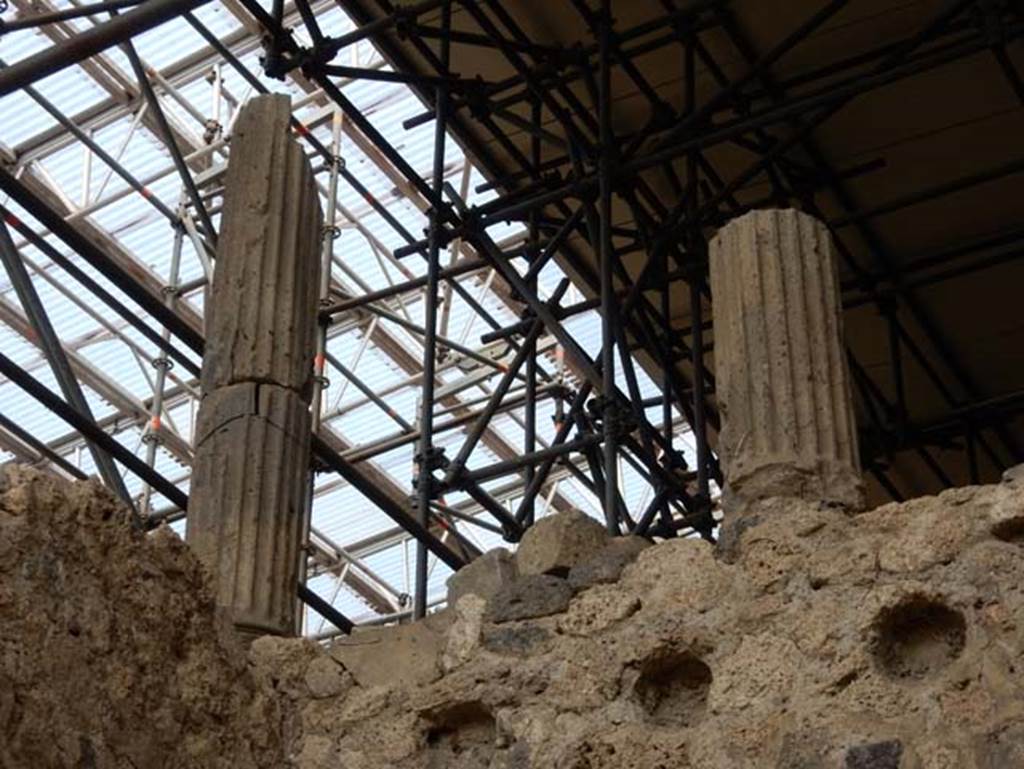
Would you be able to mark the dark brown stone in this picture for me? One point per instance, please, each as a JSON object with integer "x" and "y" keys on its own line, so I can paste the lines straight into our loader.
{"x": 875, "y": 755}
{"x": 535, "y": 595}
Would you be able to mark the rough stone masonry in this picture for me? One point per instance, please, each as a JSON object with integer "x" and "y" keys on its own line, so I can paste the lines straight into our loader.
{"x": 890, "y": 639}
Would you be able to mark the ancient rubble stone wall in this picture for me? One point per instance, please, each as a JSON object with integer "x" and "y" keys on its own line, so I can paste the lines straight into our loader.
{"x": 111, "y": 654}
{"x": 810, "y": 638}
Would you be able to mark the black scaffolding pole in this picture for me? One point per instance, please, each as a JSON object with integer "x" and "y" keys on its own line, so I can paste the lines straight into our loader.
{"x": 426, "y": 458}
{"x": 92, "y": 41}
{"x": 89, "y": 430}
{"x": 55, "y": 355}
{"x": 606, "y": 254}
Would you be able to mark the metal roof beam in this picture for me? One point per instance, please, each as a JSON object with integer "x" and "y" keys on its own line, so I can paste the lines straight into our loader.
{"x": 85, "y": 44}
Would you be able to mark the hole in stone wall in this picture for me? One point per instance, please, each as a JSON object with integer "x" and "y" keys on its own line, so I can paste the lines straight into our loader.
{"x": 918, "y": 637}
{"x": 461, "y": 737}
{"x": 1010, "y": 530}
{"x": 673, "y": 687}
{"x": 844, "y": 681}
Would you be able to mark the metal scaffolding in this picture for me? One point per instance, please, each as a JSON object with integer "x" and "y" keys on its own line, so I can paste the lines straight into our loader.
{"x": 480, "y": 318}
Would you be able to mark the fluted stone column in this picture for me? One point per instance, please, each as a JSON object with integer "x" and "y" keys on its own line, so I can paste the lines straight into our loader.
{"x": 252, "y": 433}
{"x": 781, "y": 376}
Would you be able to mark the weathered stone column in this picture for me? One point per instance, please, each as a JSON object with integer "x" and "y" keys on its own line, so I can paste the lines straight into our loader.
{"x": 252, "y": 433}
{"x": 782, "y": 385}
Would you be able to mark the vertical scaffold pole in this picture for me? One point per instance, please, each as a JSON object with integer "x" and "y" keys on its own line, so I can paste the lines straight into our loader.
{"x": 425, "y": 477}
{"x": 608, "y": 309}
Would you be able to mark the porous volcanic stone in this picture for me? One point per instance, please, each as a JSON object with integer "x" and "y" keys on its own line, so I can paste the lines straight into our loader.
{"x": 520, "y": 638}
{"x": 607, "y": 564}
{"x": 555, "y": 544}
{"x": 533, "y": 595}
{"x": 802, "y": 653}
{"x": 326, "y": 678}
{"x": 111, "y": 652}
{"x": 875, "y": 755}
{"x": 483, "y": 576}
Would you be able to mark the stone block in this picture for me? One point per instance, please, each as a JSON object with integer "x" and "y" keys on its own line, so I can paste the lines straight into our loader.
{"x": 530, "y": 596}
{"x": 555, "y": 544}
{"x": 325, "y": 677}
{"x": 281, "y": 663}
{"x": 597, "y": 610}
{"x": 762, "y": 673}
{"x": 483, "y": 576}
{"x": 1014, "y": 475}
{"x": 938, "y": 534}
{"x": 678, "y": 575}
{"x": 245, "y": 512}
{"x": 463, "y": 637}
{"x": 317, "y": 753}
{"x": 391, "y": 656}
{"x": 607, "y": 564}
{"x": 516, "y": 639}
{"x": 261, "y": 317}
{"x": 875, "y": 755}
